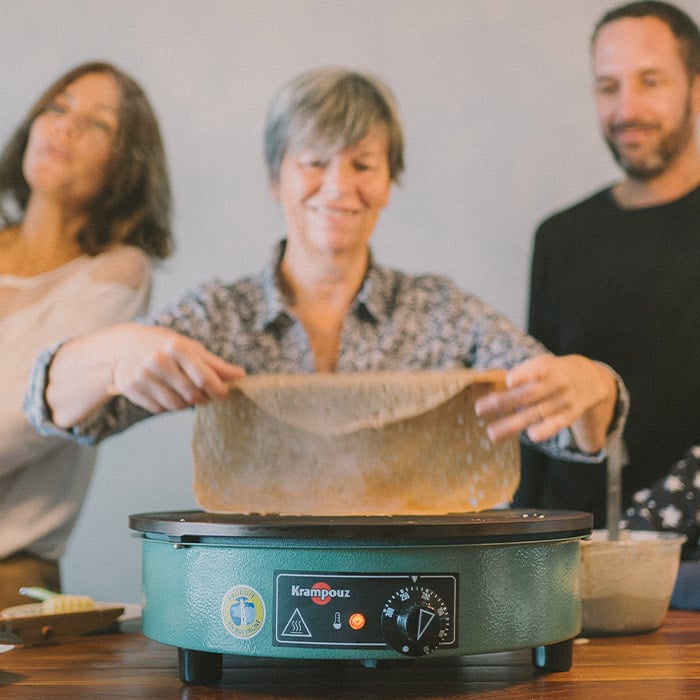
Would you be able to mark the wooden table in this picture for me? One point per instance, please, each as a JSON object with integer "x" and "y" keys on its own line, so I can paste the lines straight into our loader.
{"x": 665, "y": 664}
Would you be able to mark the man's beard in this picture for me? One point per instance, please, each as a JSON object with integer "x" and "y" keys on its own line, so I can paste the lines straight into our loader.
{"x": 657, "y": 162}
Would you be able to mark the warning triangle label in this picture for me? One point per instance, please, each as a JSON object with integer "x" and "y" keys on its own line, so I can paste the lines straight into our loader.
{"x": 296, "y": 627}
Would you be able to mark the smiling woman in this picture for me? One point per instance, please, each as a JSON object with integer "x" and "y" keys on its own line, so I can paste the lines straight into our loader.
{"x": 333, "y": 202}
{"x": 84, "y": 200}
{"x": 323, "y": 303}
{"x": 334, "y": 144}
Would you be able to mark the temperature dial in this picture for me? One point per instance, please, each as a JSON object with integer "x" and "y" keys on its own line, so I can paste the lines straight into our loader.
{"x": 415, "y": 620}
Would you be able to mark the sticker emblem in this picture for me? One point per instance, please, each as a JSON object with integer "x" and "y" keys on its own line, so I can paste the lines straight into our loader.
{"x": 243, "y": 612}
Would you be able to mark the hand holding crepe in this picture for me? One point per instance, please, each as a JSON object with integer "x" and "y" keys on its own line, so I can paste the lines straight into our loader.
{"x": 381, "y": 443}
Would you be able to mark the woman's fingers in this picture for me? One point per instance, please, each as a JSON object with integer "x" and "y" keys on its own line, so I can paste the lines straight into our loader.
{"x": 544, "y": 395}
{"x": 164, "y": 371}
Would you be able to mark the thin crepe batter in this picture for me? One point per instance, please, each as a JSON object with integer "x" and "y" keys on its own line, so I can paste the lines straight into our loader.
{"x": 377, "y": 443}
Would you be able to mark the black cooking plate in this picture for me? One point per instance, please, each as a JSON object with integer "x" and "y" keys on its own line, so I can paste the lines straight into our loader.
{"x": 512, "y": 525}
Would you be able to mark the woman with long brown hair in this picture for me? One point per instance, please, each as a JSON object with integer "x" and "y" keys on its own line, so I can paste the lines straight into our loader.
{"x": 85, "y": 207}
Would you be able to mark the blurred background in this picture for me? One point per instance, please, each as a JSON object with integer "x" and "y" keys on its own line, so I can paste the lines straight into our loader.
{"x": 500, "y": 132}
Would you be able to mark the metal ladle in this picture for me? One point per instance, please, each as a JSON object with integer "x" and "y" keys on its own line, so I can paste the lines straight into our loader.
{"x": 617, "y": 458}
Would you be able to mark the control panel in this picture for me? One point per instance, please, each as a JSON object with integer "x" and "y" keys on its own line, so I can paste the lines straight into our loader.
{"x": 411, "y": 613}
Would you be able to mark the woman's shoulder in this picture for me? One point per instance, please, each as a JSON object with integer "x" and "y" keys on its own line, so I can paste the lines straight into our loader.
{"x": 216, "y": 294}
{"x": 431, "y": 292}
{"x": 124, "y": 255}
{"x": 125, "y": 264}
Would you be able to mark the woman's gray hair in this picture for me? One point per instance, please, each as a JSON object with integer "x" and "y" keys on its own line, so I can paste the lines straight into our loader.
{"x": 330, "y": 109}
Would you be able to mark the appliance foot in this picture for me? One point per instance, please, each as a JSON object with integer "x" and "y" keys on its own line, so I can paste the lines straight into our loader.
{"x": 553, "y": 658}
{"x": 387, "y": 663}
{"x": 199, "y": 667}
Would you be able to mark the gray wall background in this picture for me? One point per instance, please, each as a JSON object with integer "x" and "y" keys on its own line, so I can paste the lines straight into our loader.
{"x": 500, "y": 131}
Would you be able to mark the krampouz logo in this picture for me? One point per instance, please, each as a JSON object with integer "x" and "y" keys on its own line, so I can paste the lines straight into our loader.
{"x": 320, "y": 593}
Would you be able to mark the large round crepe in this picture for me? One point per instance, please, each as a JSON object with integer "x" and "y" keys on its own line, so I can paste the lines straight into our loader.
{"x": 378, "y": 443}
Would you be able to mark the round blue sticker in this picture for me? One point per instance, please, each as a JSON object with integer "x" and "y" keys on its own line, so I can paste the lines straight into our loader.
{"x": 243, "y": 611}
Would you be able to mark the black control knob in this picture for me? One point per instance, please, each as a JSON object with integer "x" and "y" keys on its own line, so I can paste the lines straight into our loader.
{"x": 415, "y": 620}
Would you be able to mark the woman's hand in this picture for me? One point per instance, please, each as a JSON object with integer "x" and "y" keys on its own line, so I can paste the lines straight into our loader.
{"x": 546, "y": 394}
{"x": 162, "y": 370}
{"x": 153, "y": 367}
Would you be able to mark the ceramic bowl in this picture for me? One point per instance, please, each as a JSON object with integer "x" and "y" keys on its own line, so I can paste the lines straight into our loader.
{"x": 626, "y": 585}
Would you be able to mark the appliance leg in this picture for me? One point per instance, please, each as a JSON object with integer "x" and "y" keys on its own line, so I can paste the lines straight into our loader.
{"x": 199, "y": 667}
{"x": 553, "y": 657}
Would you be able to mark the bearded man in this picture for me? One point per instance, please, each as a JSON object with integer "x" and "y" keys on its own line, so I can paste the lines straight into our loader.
{"x": 616, "y": 277}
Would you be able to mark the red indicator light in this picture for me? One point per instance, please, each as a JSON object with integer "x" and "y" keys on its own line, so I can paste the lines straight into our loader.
{"x": 356, "y": 621}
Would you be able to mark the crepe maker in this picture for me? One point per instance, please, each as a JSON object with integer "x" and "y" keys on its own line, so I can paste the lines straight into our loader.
{"x": 366, "y": 588}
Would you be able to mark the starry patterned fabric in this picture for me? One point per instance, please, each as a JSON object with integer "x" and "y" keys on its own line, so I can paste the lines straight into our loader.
{"x": 672, "y": 504}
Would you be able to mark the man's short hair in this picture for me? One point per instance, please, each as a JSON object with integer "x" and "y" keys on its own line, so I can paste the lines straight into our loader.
{"x": 682, "y": 26}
